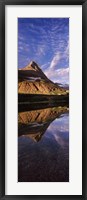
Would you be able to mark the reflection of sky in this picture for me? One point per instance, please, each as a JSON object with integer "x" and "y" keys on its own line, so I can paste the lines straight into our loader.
{"x": 46, "y": 41}
{"x": 48, "y": 159}
{"x": 59, "y": 130}
{"x": 61, "y": 124}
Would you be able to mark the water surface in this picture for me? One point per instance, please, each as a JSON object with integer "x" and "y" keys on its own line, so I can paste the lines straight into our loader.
{"x": 43, "y": 145}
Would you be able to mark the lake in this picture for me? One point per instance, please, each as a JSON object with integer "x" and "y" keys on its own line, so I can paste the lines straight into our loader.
{"x": 43, "y": 145}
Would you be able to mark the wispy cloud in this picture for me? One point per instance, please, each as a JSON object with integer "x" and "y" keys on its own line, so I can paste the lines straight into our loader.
{"x": 45, "y": 40}
{"x": 59, "y": 75}
{"x": 55, "y": 72}
{"x": 55, "y": 60}
{"x": 66, "y": 52}
{"x": 45, "y": 66}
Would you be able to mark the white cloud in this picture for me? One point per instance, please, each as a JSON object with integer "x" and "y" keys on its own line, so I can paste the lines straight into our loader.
{"x": 59, "y": 75}
{"x": 55, "y": 60}
{"x": 66, "y": 52}
{"x": 46, "y": 65}
{"x": 48, "y": 42}
{"x": 40, "y": 50}
{"x": 63, "y": 71}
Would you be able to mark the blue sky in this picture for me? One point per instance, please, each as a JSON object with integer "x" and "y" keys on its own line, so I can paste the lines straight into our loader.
{"x": 45, "y": 41}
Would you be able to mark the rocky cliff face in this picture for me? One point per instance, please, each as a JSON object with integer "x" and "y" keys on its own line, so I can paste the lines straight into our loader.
{"x": 32, "y": 80}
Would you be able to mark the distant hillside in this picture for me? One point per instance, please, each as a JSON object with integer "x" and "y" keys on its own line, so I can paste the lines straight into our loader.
{"x": 65, "y": 86}
{"x": 32, "y": 80}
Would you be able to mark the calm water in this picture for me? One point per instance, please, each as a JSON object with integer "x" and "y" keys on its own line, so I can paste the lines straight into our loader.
{"x": 43, "y": 145}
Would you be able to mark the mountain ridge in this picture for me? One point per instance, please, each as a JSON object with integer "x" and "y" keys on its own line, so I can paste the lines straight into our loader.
{"x": 32, "y": 80}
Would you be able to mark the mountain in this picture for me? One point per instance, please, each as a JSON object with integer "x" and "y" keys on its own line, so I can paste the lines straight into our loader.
{"x": 66, "y": 86}
{"x": 32, "y": 71}
{"x": 32, "y": 80}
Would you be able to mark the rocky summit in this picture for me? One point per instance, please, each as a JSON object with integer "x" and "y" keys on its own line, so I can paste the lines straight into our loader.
{"x": 32, "y": 80}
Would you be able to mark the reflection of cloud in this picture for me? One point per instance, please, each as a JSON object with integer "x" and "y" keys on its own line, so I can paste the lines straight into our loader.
{"x": 59, "y": 130}
{"x": 61, "y": 124}
{"x": 60, "y": 137}
{"x": 60, "y": 140}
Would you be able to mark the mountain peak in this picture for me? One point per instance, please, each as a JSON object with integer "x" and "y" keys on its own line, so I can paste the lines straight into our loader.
{"x": 32, "y": 70}
{"x": 32, "y": 66}
{"x": 32, "y": 80}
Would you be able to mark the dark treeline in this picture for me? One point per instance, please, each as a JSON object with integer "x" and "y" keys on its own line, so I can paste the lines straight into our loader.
{"x": 42, "y": 98}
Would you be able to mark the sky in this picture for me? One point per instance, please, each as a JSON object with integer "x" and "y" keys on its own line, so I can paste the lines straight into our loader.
{"x": 45, "y": 41}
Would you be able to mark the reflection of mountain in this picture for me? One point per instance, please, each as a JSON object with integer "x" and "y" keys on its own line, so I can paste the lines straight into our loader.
{"x": 33, "y": 124}
{"x": 32, "y": 80}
